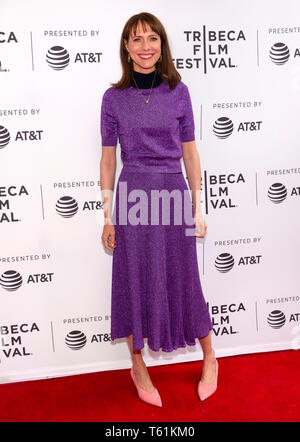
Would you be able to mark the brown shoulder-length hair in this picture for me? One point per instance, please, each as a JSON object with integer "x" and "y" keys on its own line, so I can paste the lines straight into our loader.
{"x": 165, "y": 68}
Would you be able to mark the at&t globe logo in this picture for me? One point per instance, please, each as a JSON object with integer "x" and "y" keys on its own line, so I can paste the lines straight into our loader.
{"x": 75, "y": 340}
{"x": 279, "y": 53}
{"x": 276, "y": 319}
{"x": 277, "y": 193}
{"x": 11, "y": 280}
{"x": 4, "y": 137}
{"x": 223, "y": 127}
{"x": 57, "y": 58}
{"x": 66, "y": 206}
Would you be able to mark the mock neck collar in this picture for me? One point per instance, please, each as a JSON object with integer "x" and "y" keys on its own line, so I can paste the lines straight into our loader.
{"x": 144, "y": 81}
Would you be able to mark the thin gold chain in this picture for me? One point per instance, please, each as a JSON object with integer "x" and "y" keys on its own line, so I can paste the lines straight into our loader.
{"x": 146, "y": 101}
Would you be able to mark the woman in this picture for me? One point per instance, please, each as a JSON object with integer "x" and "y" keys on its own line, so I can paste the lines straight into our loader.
{"x": 156, "y": 290}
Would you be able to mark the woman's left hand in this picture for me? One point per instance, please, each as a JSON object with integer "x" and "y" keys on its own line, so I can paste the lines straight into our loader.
{"x": 200, "y": 225}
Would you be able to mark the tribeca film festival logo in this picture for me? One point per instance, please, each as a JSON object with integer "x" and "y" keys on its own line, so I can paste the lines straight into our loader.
{"x": 7, "y": 194}
{"x": 212, "y": 49}
{"x": 21, "y": 135}
{"x": 12, "y": 280}
{"x": 218, "y": 190}
{"x": 222, "y": 316}
{"x": 12, "y": 339}
{"x": 6, "y": 38}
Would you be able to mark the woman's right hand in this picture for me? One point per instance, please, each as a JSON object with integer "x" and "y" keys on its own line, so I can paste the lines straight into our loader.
{"x": 108, "y": 237}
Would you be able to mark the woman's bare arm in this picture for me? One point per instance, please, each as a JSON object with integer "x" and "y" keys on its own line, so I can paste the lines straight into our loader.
{"x": 108, "y": 165}
{"x": 193, "y": 169}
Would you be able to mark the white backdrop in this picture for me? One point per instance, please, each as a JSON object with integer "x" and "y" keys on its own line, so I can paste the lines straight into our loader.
{"x": 241, "y": 62}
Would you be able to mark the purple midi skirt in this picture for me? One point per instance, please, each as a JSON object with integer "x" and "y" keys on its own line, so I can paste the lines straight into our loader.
{"x": 156, "y": 289}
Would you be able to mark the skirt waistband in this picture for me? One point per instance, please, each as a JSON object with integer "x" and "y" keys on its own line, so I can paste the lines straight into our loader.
{"x": 148, "y": 169}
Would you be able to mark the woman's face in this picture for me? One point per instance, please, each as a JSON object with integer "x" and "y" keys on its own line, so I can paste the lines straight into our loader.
{"x": 144, "y": 49}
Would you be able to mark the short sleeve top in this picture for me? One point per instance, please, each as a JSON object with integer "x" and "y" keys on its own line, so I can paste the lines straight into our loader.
{"x": 150, "y": 134}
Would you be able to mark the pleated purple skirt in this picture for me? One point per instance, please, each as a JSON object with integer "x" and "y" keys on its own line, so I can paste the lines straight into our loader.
{"x": 156, "y": 289}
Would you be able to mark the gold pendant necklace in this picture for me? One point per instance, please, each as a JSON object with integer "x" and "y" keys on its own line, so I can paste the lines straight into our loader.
{"x": 146, "y": 101}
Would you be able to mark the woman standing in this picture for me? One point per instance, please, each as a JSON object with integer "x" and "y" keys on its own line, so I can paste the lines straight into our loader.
{"x": 156, "y": 289}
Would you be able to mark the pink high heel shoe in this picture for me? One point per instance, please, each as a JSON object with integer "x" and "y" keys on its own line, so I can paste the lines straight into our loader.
{"x": 204, "y": 390}
{"x": 152, "y": 397}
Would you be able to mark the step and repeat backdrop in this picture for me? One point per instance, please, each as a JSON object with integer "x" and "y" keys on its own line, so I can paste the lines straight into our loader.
{"x": 241, "y": 62}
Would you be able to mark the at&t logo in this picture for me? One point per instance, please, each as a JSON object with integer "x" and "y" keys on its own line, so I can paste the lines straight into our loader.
{"x": 225, "y": 261}
{"x": 278, "y": 192}
{"x": 223, "y": 127}
{"x": 277, "y": 319}
{"x": 11, "y": 280}
{"x": 66, "y": 206}
{"x": 58, "y": 58}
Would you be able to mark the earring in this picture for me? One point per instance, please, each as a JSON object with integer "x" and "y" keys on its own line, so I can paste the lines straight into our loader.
{"x": 160, "y": 58}
{"x": 128, "y": 57}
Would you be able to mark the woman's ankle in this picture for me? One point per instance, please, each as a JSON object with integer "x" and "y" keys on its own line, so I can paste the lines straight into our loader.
{"x": 138, "y": 363}
{"x": 209, "y": 355}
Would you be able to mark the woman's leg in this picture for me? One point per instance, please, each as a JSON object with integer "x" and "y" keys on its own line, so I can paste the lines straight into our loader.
{"x": 139, "y": 368}
{"x": 209, "y": 360}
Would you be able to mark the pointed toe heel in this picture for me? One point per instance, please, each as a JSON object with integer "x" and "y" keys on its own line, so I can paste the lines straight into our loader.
{"x": 204, "y": 390}
{"x": 152, "y": 398}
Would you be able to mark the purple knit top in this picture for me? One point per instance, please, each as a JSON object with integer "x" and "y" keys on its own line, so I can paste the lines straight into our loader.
{"x": 150, "y": 134}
